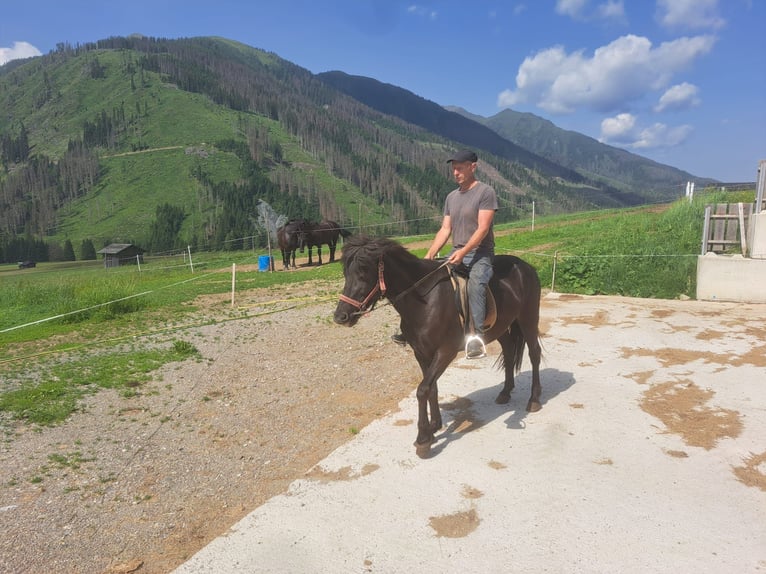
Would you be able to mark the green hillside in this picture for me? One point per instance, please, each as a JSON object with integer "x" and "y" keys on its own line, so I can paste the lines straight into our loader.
{"x": 162, "y": 145}
{"x": 168, "y": 143}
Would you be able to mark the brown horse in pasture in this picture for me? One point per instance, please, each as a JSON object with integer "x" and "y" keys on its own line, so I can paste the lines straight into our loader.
{"x": 422, "y": 293}
{"x": 324, "y": 233}
{"x": 290, "y": 237}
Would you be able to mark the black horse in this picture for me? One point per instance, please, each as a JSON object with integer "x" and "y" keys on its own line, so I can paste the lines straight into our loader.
{"x": 324, "y": 233}
{"x": 422, "y": 293}
{"x": 290, "y": 237}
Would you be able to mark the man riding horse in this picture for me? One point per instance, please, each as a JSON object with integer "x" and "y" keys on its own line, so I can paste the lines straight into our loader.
{"x": 469, "y": 213}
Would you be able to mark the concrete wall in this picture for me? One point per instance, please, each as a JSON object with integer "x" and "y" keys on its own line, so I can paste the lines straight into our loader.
{"x": 756, "y": 236}
{"x": 731, "y": 278}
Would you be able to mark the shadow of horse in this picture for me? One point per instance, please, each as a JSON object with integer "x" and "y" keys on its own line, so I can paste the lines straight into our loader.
{"x": 479, "y": 408}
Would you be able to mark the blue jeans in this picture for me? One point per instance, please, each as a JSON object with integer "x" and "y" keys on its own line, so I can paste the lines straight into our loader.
{"x": 480, "y": 272}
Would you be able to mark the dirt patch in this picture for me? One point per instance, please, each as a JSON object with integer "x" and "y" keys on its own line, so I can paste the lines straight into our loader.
{"x": 343, "y": 474}
{"x": 682, "y": 407}
{"x": 753, "y": 471}
{"x": 457, "y": 525}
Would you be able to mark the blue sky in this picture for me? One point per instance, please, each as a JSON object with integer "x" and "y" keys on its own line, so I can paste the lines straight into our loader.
{"x": 682, "y": 82}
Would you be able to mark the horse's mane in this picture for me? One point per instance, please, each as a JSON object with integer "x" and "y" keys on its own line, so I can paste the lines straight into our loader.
{"x": 362, "y": 247}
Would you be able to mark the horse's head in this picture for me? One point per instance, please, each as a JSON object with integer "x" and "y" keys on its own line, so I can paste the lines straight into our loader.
{"x": 295, "y": 233}
{"x": 363, "y": 270}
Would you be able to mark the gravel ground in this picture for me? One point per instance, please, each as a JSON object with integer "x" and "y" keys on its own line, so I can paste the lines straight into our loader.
{"x": 141, "y": 483}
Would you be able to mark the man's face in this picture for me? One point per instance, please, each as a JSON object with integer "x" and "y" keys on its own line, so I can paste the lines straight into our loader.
{"x": 463, "y": 171}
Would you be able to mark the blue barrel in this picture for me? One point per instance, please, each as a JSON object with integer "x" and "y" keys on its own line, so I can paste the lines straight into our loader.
{"x": 264, "y": 263}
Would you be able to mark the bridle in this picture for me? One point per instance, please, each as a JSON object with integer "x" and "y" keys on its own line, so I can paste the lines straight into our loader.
{"x": 380, "y": 288}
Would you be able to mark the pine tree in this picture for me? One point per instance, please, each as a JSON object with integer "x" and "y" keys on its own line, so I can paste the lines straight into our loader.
{"x": 87, "y": 250}
{"x": 68, "y": 251}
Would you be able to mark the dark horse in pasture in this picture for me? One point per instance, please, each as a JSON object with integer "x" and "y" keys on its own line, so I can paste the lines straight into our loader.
{"x": 290, "y": 237}
{"x": 422, "y": 293}
{"x": 324, "y": 233}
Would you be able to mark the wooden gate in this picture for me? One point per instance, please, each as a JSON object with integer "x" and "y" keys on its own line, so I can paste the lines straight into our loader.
{"x": 726, "y": 227}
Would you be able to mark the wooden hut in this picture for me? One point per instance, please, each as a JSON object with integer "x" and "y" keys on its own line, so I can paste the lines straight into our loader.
{"x": 118, "y": 254}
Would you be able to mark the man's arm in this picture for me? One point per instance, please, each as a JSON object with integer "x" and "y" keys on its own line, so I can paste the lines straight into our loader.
{"x": 441, "y": 237}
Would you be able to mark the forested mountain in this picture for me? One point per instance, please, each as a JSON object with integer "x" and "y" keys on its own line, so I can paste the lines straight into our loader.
{"x": 168, "y": 143}
{"x": 625, "y": 177}
{"x": 586, "y": 155}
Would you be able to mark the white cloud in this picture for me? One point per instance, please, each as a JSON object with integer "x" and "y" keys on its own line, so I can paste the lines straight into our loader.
{"x": 579, "y": 9}
{"x": 661, "y": 135}
{"x": 623, "y": 130}
{"x": 17, "y": 51}
{"x": 612, "y": 10}
{"x": 678, "y": 97}
{"x": 616, "y": 75}
{"x": 618, "y": 129}
{"x": 422, "y": 11}
{"x": 571, "y": 8}
{"x": 690, "y": 14}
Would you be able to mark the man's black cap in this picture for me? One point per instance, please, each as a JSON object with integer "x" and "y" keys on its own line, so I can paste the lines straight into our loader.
{"x": 464, "y": 155}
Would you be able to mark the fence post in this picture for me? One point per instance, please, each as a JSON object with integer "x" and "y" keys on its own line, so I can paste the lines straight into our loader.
{"x": 233, "y": 281}
{"x": 553, "y": 273}
{"x": 191, "y": 265}
{"x": 742, "y": 230}
{"x": 706, "y": 228}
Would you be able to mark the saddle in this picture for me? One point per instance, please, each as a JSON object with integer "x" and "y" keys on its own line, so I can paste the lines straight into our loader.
{"x": 459, "y": 278}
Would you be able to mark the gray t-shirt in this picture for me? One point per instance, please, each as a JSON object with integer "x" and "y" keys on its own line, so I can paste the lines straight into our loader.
{"x": 463, "y": 209}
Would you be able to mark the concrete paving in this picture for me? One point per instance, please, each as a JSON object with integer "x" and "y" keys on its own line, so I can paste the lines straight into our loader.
{"x": 591, "y": 483}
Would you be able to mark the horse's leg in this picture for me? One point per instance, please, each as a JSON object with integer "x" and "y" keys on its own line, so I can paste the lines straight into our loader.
{"x": 310, "y": 248}
{"x": 433, "y": 405}
{"x": 508, "y": 344}
{"x": 332, "y": 250}
{"x": 529, "y": 322}
{"x": 535, "y": 353}
{"x": 428, "y": 396}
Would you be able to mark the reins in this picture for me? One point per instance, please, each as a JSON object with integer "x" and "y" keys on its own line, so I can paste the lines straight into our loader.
{"x": 417, "y": 283}
{"x": 380, "y": 287}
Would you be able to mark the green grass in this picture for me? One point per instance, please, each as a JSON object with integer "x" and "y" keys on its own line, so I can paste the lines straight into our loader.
{"x": 48, "y": 393}
{"x": 636, "y": 252}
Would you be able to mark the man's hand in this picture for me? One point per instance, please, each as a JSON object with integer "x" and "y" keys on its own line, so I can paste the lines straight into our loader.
{"x": 456, "y": 258}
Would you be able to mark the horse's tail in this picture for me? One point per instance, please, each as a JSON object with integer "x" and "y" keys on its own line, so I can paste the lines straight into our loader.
{"x": 518, "y": 345}
{"x": 517, "y": 339}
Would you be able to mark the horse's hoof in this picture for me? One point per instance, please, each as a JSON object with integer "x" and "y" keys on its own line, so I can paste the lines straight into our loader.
{"x": 503, "y": 398}
{"x": 533, "y": 407}
{"x": 423, "y": 450}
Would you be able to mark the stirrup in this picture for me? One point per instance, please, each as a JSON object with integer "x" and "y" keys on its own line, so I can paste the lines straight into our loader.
{"x": 469, "y": 340}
